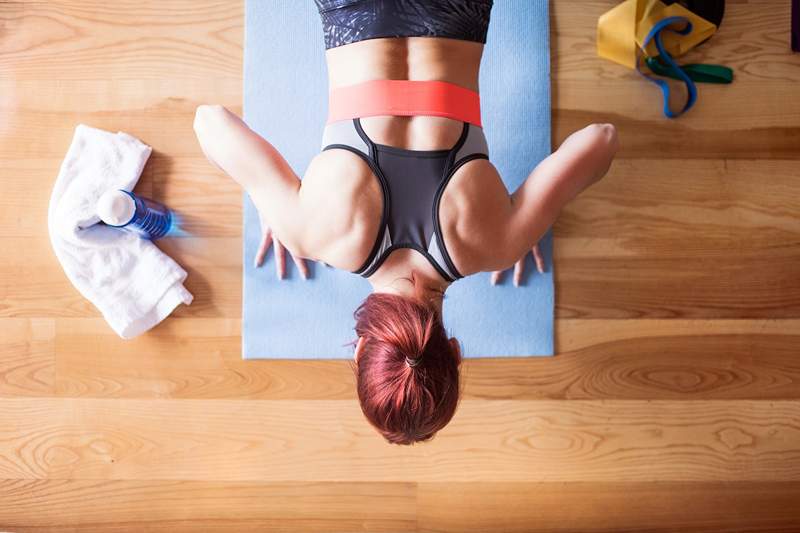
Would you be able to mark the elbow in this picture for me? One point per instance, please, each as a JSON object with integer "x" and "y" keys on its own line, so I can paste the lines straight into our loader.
{"x": 611, "y": 138}
{"x": 604, "y": 146}
{"x": 206, "y": 116}
{"x": 605, "y": 138}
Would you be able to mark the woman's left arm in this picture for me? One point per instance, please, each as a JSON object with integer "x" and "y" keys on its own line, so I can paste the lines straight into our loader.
{"x": 264, "y": 174}
{"x": 582, "y": 159}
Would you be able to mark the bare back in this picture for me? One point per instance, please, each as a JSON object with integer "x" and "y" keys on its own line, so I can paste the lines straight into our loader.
{"x": 346, "y": 191}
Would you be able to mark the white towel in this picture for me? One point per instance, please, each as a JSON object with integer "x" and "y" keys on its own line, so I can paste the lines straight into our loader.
{"x": 133, "y": 284}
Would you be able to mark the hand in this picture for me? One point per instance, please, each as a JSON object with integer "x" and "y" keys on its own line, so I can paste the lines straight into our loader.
{"x": 520, "y": 265}
{"x": 280, "y": 254}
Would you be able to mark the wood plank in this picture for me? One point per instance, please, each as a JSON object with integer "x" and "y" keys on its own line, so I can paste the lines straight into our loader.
{"x": 608, "y": 507}
{"x": 678, "y": 139}
{"x": 142, "y": 40}
{"x": 181, "y": 358}
{"x": 140, "y": 67}
{"x": 185, "y": 506}
{"x": 27, "y": 357}
{"x": 47, "y": 505}
{"x": 755, "y": 117}
{"x": 651, "y": 359}
{"x": 173, "y": 506}
{"x": 684, "y": 239}
{"x": 747, "y": 285}
{"x": 328, "y": 440}
{"x": 670, "y": 208}
{"x": 598, "y": 359}
{"x": 172, "y": 95}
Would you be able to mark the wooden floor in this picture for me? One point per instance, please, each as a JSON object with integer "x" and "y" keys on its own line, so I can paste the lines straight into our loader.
{"x": 674, "y": 402}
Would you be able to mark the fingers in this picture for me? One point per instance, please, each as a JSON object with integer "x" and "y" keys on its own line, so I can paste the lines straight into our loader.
{"x": 301, "y": 266}
{"x": 266, "y": 241}
{"x": 519, "y": 266}
{"x": 280, "y": 259}
{"x": 537, "y": 257}
{"x": 280, "y": 256}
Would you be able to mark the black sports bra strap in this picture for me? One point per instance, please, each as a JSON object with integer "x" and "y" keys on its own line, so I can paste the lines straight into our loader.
{"x": 412, "y": 182}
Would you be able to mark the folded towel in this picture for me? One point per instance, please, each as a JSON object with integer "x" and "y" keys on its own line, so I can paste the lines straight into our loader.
{"x": 133, "y": 284}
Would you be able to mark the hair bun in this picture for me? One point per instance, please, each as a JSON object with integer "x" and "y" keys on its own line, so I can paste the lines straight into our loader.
{"x": 413, "y": 362}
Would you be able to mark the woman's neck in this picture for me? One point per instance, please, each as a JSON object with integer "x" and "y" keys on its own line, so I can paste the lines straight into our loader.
{"x": 404, "y": 274}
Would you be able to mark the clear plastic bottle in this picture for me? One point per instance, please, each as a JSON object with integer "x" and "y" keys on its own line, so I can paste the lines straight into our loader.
{"x": 123, "y": 209}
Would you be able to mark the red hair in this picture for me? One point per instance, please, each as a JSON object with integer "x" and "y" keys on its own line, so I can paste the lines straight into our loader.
{"x": 405, "y": 403}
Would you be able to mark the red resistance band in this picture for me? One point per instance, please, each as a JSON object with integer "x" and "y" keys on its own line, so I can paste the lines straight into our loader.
{"x": 404, "y": 98}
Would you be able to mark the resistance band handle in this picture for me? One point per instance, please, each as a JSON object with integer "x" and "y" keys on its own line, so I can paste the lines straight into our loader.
{"x": 691, "y": 88}
{"x": 698, "y": 72}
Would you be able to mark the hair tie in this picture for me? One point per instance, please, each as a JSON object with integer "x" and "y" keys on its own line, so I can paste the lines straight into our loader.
{"x": 413, "y": 362}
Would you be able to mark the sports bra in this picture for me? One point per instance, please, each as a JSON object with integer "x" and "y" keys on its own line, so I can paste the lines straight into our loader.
{"x": 351, "y": 21}
{"x": 412, "y": 182}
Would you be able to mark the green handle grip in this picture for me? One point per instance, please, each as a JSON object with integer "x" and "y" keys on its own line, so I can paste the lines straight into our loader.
{"x": 698, "y": 72}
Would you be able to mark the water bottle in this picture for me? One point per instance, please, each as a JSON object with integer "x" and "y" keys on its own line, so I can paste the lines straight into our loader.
{"x": 123, "y": 209}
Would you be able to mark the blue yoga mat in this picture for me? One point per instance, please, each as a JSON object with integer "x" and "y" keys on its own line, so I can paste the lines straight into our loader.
{"x": 285, "y": 100}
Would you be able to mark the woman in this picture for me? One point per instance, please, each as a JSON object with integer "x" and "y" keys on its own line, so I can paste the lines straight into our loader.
{"x": 403, "y": 192}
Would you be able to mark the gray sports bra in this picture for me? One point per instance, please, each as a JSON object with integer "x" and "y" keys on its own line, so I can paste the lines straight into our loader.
{"x": 412, "y": 182}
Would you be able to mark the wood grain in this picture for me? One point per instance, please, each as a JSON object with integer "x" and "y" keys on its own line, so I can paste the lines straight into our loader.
{"x": 682, "y": 239}
{"x": 595, "y": 507}
{"x": 328, "y": 440}
{"x": 673, "y": 404}
{"x": 27, "y": 357}
{"x": 598, "y": 359}
{"x": 438, "y": 507}
{"x": 139, "y": 40}
{"x": 110, "y": 506}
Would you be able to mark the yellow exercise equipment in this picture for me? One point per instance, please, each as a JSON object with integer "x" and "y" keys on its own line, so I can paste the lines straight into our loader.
{"x": 621, "y": 31}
